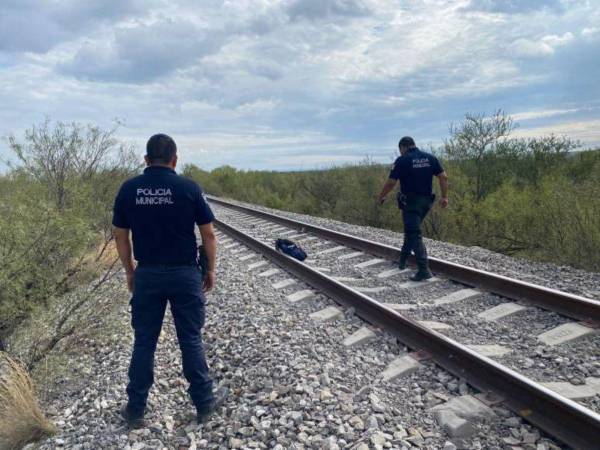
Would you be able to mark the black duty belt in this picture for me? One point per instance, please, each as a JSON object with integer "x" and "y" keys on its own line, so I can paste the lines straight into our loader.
{"x": 167, "y": 264}
{"x": 403, "y": 198}
{"x": 414, "y": 194}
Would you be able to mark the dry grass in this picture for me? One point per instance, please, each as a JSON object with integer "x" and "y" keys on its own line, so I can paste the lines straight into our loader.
{"x": 21, "y": 420}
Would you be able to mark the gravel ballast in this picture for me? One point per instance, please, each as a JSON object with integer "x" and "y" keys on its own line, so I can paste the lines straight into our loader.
{"x": 573, "y": 361}
{"x": 293, "y": 384}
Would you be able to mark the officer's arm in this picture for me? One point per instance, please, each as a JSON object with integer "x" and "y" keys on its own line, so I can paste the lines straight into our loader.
{"x": 387, "y": 187}
{"x": 124, "y": 250}
{"x": 209, "y": 241}
{"x": 443, "y": 180}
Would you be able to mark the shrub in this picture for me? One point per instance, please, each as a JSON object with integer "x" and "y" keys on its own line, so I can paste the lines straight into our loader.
{"x": 21, "y": 420}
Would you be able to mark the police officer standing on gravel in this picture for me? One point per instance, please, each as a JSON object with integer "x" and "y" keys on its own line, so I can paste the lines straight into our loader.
{"x": 160, "y": 210}
{"x": 415, "y": 170}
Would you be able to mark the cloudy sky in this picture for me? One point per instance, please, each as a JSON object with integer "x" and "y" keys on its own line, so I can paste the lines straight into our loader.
{"x": 290, "y": 84}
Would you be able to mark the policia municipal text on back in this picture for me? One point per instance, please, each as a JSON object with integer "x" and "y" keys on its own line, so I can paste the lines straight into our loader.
{"x": 415, "y": 170}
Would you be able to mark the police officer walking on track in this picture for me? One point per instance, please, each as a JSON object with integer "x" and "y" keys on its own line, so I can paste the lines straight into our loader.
{"x": 160, "y": 209}
{"x": 415, "y": 169}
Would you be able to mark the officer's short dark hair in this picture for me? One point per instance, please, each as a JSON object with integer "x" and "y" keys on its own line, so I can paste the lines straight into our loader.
{"x": 407, "y": 141}
{"x": 160, "y": 149}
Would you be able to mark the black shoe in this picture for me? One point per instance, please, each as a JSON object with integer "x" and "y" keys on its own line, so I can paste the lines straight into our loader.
{"x": 402, "y": 263}
{"x": 134, "y": 421}
{"x": 421, "y": 275}
{"x": 220, "y": 395}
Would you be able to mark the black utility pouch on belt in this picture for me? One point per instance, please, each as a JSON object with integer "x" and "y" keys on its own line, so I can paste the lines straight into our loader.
{"x": 202, "y": 261}
{"x": 401, "y": 199}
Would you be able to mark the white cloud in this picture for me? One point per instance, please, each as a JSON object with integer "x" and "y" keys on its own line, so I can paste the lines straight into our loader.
{"x": 37, "y": 25}
{"x": 544, "y": 46}
{"x": 586, "y": 131}
{"x": 590, "y": 31}
{"x": 528, "y": 47}
{"x": 557, "y": 41}
{"x": 144, "y": 51}
{"x": 325, "y": 9}
{"x": 515, "y": 6}
{"x": 259, "y": 78}
{"x": 542, "y": 114}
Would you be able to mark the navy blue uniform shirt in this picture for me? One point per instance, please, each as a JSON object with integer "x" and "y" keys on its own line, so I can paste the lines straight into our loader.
{"x": 162, "y": 208}
{"x": 415, "y": 170}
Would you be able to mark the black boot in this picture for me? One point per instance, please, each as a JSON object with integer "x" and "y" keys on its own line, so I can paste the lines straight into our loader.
{"x": 206, "y": 411}
{"x": 134, "y": 420}
{"x": 402, "y": 263}
{"x": 422, "y": 262}
{"x": 422, "y": 275}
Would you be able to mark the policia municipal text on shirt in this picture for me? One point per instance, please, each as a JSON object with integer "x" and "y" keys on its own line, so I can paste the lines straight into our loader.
{"x": 415, "y": 170}
{"x": 160, "y": 210}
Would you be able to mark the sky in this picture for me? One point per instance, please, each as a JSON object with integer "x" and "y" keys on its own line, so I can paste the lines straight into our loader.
{"x": 298, "y": 84}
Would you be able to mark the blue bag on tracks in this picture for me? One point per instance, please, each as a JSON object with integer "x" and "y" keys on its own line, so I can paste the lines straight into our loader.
{"x": 290, "y": 248}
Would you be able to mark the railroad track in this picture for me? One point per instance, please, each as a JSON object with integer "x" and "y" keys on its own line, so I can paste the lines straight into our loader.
{"x": 569, "y": 421}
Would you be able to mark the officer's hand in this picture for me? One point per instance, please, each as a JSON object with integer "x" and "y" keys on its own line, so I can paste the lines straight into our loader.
{"x": 444, "y": 202}
{"x": 380, "y": 200}
{"x": 209, "y": 281}
{"x": 130, "y": 278}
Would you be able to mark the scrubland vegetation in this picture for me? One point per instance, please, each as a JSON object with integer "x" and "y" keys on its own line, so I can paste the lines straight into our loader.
{"x": 55, "y": 226}
{"x": 56, "y": 255}
{"x": 536, "y": 198}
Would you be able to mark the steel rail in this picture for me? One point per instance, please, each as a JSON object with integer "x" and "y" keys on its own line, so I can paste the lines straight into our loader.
{"x": 564, "y": 303}
{"x": 560, "y": 417}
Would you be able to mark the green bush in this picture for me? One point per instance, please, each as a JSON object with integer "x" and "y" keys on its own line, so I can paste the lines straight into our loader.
{"x": 57, "y": 206}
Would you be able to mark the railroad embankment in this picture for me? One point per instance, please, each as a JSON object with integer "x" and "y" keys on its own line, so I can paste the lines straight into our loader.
{"x": 297, "y": 379}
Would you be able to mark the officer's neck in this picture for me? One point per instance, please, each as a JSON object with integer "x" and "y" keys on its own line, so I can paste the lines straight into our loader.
{"x": 407, "y": 150}
{"x": 167, "y": 166}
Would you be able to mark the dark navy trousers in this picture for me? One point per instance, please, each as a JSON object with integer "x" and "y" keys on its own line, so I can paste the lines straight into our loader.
{"x": 153, "y": 287}
{"x": 413, "y": 214}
